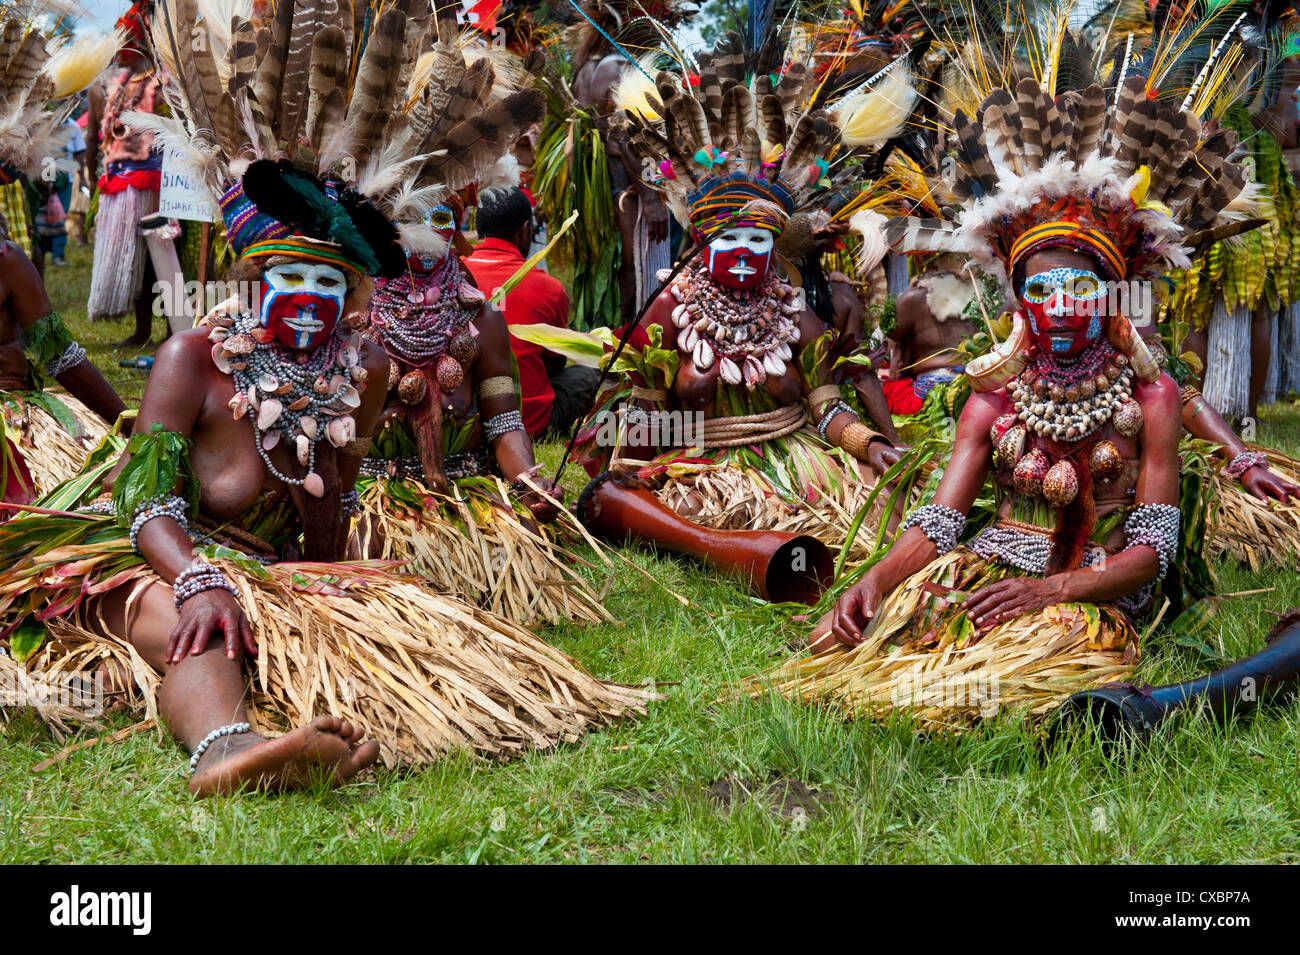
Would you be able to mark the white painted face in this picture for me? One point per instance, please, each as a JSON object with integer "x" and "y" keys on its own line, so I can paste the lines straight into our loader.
{"x": 302, "y": 301}
{"x": 739, "y": 258}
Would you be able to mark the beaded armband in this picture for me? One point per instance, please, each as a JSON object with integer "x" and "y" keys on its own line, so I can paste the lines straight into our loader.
{"x": 943, "y": 525}
{"x": 72, "y": 356}
{"x": 836, "y": 409}
{"x": 351, "y": 506}
{"x": 1244, "y": 462}
{"x": 1155, "y": 526}
{"x": 197, "y": 578}
{"x": 503, "y": 423}
{"x": 173, "y": 506}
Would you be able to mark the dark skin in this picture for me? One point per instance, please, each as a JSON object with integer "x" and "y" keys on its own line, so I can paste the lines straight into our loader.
{"x": 22, "y": 302}
{"x": 593, "y": 86}
{"x": 200, "y": 649}
{"x": 696, "y": 391}
{"x": 919, "y": 342}
{"x": 514, "y": 449}
{"x": 1157, "y": 481}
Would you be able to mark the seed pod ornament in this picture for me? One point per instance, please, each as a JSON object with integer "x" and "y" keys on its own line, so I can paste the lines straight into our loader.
{"x": 1061, "y": 485}
{"x": 411, "y": 389}
{"x": 450, "y": 374}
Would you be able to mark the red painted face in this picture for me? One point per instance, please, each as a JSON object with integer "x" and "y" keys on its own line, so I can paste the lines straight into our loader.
{"x": 739, "y": 258}
{"x": 301, "y": 303}
{"x": 1064, "y": 308}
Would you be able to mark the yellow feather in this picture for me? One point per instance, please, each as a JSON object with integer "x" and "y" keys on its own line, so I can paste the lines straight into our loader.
{"x": 78, "y": 64}
{"x": 876, "y": 114}
{"x": 635, "y": 91}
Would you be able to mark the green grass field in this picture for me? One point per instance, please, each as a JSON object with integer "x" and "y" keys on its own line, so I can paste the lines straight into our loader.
{"x": 696, "y": 781}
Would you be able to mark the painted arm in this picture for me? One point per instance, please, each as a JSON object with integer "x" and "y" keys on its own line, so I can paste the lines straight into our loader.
{"x": 877, "y": 451}
{"x": 961, "y": 483}
{"x": 1202, "y": 421}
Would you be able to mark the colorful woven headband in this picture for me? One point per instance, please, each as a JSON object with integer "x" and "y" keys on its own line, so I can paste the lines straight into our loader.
{"x": 731, "y": 204}
{"x": 1072, "y": 235}
{"x": 244, "y": 224}
{"x": 297, "y": 247}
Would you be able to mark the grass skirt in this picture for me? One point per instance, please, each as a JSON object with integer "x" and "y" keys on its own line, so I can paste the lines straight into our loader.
{"x": 1257, "y": 533}
{"x": 420, "y": 672}
{"x": 472, "y": 547}
{"x": 117, "y": 273}
{"x": 922, "y": 656}
{"x": 52, "y": 453}
{"x": 796, "y": 484}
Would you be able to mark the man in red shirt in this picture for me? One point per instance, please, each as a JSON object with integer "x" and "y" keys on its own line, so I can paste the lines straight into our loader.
{"x": 553, "y": 396}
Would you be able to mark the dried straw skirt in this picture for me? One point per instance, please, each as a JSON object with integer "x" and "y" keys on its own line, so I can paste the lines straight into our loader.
{"x": 796, "y": 484}
{"x": 470, "y": 546}
{"x": 51, "y": 454}
{"x": 920, "y": 655}
{"x": 117, "y": 273}
{"x": 1257, "y": 533}
{"x": 421, "y": 673}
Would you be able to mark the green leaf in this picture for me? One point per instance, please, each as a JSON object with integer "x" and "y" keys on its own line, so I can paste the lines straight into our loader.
{"x": 26, "y": 639}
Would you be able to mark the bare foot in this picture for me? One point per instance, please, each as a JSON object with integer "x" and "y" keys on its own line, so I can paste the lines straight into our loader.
{"x": 134, "y": 341}
{"x": 326, "y": 748}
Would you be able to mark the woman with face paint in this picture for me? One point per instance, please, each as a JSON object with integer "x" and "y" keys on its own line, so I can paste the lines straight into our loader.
{"x": 728, "y": 407}
{"x": 450, "y": 484}
{"x": 1071, "y": 416}
{"x": 210, "y": 579}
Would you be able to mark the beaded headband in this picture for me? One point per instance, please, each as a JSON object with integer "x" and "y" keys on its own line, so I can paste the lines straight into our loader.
{"x": 298, "y": 247}
{"x": 739, "y": 201}
{"x": 1072, "y": 235}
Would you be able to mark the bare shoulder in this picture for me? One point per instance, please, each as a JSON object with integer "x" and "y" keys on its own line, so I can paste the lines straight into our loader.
{"x": 491, "y": 325}
{"x": 984, "y": 408}
{"x": 374, "y": 360}
{"x": 187, "y": 351}
{"x": 1160, "y": 397}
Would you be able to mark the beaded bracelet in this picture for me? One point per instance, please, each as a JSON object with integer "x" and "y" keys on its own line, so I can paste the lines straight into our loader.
{"x": 221, "y": 731}
{"x": 72, "y": 356}
{"x": 943, "y": 525}
{"x": 1244, "y": 462}
{"x": 838, "y": 408}
{"x": 197, "y": 578}
{"x": 1155, "y": 526}
{"x": 173, "y": 506}
{"x": 503, "y": 423}
{"x": 351, "y": 506}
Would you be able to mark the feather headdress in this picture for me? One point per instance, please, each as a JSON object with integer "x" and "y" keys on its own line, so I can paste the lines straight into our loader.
{"x": 371, "y": 101}
{"x": 1129, "y": 177}
{"x": 35, "y": 72}
{"x": 727, "y": 146}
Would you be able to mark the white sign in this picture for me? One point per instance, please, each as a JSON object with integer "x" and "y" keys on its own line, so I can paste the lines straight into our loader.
{"x": 182, "y": 195}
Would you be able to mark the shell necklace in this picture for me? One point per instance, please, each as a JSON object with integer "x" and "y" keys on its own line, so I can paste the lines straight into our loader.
{"x": 748, "y": 334}
{"x": 302, "y": 396}
{"x": 1068, "y": 402}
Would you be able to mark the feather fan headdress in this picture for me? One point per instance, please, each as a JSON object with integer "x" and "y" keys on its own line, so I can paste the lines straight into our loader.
{"x": 730, "y": 148}
{"x": 33, "y": 73}
{"x": 1137, "y": 183}
{"x": 333, "y": 121}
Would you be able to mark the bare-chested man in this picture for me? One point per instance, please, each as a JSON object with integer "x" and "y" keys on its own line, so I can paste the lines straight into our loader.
{"x": 929, "y": 326}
